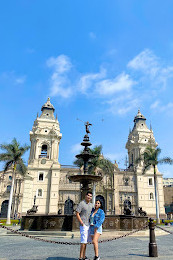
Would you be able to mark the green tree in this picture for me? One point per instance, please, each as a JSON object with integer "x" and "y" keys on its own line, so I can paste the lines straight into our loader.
{"x": 150, "y": 157}
{"x": 98, "y": 162}
{"x": 12, "y": 157}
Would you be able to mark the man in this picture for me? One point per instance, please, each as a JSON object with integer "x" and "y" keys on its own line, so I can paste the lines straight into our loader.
{"x": 83, "y": 212}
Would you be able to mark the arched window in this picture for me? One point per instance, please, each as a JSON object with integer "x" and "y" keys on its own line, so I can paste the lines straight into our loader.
{"x": 4, "y": 208}
{"x": 8, "y": 188}
{"x": 10, "y": 178}
{"x": 44, "y": 151}
{"x": 151, "y": 196}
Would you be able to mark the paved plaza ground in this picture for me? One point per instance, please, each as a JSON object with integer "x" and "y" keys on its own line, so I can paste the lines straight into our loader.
{"x": 135, "y": 247}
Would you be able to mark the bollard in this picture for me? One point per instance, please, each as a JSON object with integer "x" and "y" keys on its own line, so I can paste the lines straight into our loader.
{"x": 152, "y": 244}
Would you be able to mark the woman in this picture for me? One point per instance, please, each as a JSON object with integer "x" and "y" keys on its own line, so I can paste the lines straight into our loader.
{"x": 97, "y": 217}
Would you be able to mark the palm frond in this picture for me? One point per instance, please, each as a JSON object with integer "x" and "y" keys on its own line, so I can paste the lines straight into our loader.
{"x": 21, "y": 167}
{"x": 5, "y": 157}
{"x": 138, "y": 160}
{"x": 167, "y": 160}
{"x": 158, "y": 151}
{"x": 107, "y": 166}
{"x": 145, "y": 168}
{"x": 78, "y": 162}
{"x": 97, "y": 162}
{"x": 13, "y": 155}
{"x": 8, "y": 165}
{"x": 91, "y": 169}
{"x": 24, "y": 149}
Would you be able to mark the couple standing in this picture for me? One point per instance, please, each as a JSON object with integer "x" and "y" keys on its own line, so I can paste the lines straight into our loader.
{"x": 90, "y": 218}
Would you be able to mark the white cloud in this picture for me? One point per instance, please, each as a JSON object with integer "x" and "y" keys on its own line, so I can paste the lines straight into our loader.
{"x": 122, "y": 82}
{"x": 146, "y": 62}
{"x": 76, "y": 148}
{"x": 87, "y": 80}
{"x": 123, "y": 104}
{"x": 160, "y": 107}
{"x": 143, "y": 80}
{"x": 155, "y": 104}
{"x": 149, "y": 64}
{"x": 10, "y": 77}
{"x": 92, "y": 35}
{"x": 163, "y": 75}
{"x": 20, "y": 80}
{"x": 59, "y": 80}
{"x": 60, "y": 64}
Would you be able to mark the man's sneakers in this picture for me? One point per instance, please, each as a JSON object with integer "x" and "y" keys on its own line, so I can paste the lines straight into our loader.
{"x": 97, "y": 258}
{"x": 86, "y": 258}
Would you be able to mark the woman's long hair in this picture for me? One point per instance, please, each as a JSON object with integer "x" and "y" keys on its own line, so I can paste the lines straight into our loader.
{"x": 101, "y": 203}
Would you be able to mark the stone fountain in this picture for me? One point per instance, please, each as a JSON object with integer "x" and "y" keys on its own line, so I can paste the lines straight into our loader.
{"x": 85, "y": 179}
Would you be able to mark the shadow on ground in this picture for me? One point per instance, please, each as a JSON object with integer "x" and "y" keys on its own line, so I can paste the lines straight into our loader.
{"x": 139, "y": 255}
{"x": 60, "y": 258}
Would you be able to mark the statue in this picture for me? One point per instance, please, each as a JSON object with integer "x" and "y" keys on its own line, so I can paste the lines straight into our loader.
{"x": 141, "y": 212}
{"x": 59, "y": 211}
{"x": 127, "y": 208}
{"x": 87, "y": 125}
{"x": 34, "y": 208}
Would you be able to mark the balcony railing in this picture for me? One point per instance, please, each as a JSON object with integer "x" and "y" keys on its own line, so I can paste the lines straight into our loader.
{"x": 43, "y": 156}
{"x": 69, "y": 166}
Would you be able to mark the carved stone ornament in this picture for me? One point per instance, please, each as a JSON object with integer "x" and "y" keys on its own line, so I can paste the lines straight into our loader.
{"x": 30, "y": 222}
{"x": 43, "y": 161}
{"x": 52, "y": 223}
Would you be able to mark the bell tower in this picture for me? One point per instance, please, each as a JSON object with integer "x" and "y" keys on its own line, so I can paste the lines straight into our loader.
{"x": 43, "y": 166}
{"x": 139, "y": 138}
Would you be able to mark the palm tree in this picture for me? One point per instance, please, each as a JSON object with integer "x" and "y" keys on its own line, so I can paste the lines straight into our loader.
{"x": 13, "y": 159}
{"x": 98, "y": 162}
{"x": 150, "y": 157}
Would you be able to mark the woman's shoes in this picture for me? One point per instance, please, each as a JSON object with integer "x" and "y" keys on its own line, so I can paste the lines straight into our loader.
{"x": 97, "y": 258}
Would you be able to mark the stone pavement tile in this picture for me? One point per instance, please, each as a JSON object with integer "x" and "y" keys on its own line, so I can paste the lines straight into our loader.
{"x": 22, "y": 248}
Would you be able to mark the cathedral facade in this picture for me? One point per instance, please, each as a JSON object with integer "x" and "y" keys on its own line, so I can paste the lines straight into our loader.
{"x": 48, "y": 180}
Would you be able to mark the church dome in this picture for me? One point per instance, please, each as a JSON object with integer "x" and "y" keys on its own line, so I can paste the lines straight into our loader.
{"x": 48, "y": 105}
{"x": 139, "y": 116}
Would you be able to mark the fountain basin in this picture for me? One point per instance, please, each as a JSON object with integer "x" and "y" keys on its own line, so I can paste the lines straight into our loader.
{"x": 70, "y": 222}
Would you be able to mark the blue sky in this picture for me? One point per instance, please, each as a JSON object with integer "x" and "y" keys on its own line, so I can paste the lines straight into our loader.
{"x": 97, "y": 60}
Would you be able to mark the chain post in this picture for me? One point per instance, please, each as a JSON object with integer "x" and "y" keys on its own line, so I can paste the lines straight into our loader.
{"x": 152, "y": 244}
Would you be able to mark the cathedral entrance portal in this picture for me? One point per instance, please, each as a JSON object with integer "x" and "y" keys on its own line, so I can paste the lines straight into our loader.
{"x": 4, "y": 209}
{"x": 68, "y": 207}
{"x": 102, "y": 199}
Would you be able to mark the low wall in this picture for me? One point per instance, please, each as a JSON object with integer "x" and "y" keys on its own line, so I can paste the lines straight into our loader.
{"x": 69, "y": 223}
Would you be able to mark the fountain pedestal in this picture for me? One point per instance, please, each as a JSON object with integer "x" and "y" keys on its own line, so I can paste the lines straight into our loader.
{"x": 85, "y": 179}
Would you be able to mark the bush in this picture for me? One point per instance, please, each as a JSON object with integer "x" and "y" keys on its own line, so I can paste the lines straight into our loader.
{"x": 13, "y": 221}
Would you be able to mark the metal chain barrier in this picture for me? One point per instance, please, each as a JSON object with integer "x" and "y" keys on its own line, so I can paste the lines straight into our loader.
{"x": 165, "y": 230}
{"x": 69, "y": 243}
